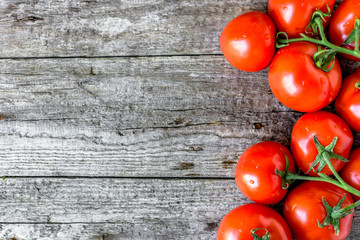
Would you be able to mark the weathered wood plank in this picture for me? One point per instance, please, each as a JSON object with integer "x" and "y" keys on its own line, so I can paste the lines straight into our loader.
{"x": 58, "y": 208}
{"x": 163, "y": 116}
{"x": 109, "y": 231}
{"x": 40, "y": 208}
{"x": 169, "y": 116}
{"x": 59, "y": 149}
{"x": 142, "y": 208}
{"x": 115, "y": 28}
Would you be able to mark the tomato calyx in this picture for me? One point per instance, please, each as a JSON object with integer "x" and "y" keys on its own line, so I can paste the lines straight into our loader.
{"x": 324, "y": 155}
{"x": 256, "y": 237}
{"x": 314, "y": 22}
{"x": 283, "y": 174}
{"x": 324, "y": 59}
{"x": 334, "y": 214}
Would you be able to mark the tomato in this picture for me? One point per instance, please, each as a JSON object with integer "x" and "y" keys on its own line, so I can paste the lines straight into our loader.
{"x": 239, "y": 222}
{"x": 255, "y": 172}
{"x": 342, "y": 24}
{"x": 297, "y": 83}
{"x": 248, "y": 41}
{"x": 351, "y": 171}
{"x": 347, "y": 103}
{"x": 326, "y": 126}
{"x": 293, "y": 16}
{"x": 304, "y": 206}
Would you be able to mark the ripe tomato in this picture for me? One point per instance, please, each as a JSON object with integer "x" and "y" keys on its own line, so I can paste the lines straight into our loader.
{"x": 248, "y": 41}
{"x": 297, "y": 83}
{"x": 255, "y": 172}
{"x": 239, "y": 222}
{"x": 347, "y": 103}
{"x": 342, "y": 24}
{"x": 325, "y": 126}
{"x": 293, "y": 16}
{"x": 351, "y": 171}
{"x": 304, "y": 206}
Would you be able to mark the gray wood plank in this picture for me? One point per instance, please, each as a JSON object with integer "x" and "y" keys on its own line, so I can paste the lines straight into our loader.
{"x": 139, "y": 208}
{"x": 163, "y": 116}
{"x": 56, "y": 148}
{"x": 59, "y": 208}
{"x": 109, "y": 231}
{"x": 115, "y": 28}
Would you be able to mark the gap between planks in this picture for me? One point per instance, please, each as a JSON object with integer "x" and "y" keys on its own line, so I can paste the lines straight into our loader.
{"x": 116, "y": 56}
{"x": 122, "y": 177}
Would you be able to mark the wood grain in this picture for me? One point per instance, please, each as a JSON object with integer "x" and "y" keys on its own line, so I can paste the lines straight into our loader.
{"x": 130, "y": 208}
{"x": 47, "y": 28}
{"x": 154, "y": 117}
{"x": 43, "y": 208}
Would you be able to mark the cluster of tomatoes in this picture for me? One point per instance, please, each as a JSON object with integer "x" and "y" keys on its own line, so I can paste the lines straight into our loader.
{"x": 321, "y": 142}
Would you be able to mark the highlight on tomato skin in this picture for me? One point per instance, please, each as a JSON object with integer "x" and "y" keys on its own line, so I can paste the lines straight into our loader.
{"x": 238, "y": 223}
{"x": 293, "y": 16}
{"x": 351, "y": 172}
{"x": 248, "y": 41}
{"x": 304, "y": 206}
{"x": 326, "y": 126}
{"x": 347, "y": 103}
{"x": 255, "y": 172}
{"x": 342, "y": 24}
{"x": 297, "y": 83}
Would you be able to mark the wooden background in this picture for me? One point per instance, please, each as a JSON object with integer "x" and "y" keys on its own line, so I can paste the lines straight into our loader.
{"x": 122, "y": 119}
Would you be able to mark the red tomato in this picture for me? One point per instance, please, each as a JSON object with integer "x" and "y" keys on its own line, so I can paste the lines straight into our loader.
{"x": 239, "y": 222}
{"x": 347, "y": 103}
{"x": 293, "y": 16}
{"x": 325, "y": 126}
{"x": 342, "y": 24}
{"x": 297, "y": 83}
{"x": 255, "y": 172}
{"x": 248, "y": 41}
{"x": 351, "y": 171}
{"x": 304, "y": 206}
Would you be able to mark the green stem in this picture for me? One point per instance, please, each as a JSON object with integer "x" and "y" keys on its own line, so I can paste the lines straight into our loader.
{"x": 321, "y": 30}
{"x": 331, "y": 166}
{"x": 356, "y": 38}
{"x": 344, "y": 185}
{"x": 319, "y": 179}
{"x": 325, "y": 43}
{"x": 351, "y": 206}
{"x": 342, "y": 212}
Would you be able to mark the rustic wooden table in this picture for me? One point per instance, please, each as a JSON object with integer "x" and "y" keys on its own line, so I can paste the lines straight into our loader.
{"x": 122, "y": 120}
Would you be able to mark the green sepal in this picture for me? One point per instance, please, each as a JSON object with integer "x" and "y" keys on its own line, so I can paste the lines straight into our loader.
{"x": 256, "y": 237}
{"x": 352, "y": 36}
{"x": 324, "y": 153}
{"x": 324, "y": 59}
{"x": 334, "y": 214}
{"x": 278, "y": 44}
{"x": 314, "y": 24}
{"x": 357, "y": 85}
{"x": 282, "y": 174}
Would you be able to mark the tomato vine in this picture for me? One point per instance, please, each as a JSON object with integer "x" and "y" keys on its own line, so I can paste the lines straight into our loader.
{"x": 324, "y": 58}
